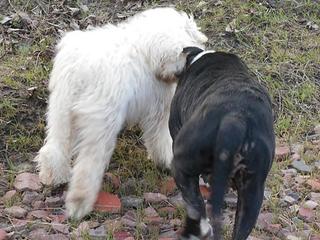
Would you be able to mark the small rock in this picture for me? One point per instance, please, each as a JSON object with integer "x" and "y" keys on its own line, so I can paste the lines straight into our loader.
{"x": 289, "y": 199}
{"x": 27, "y": 181}
{"x": 154, "y": 197}
{"x": 84, "y": 8}
{"x": 312, "y": 26}
{"x": 310, "y": 204}
{"x": 5, "y": 19}
{"x": 122, "y": 235}
{"x": 131, "y": 202}
{"x": 153, "y": 220}
{"x": 264, "y": 220}
{"x": 315, "y": 197}
{"x": 297, "y": 148}
{"x": 317, "y": 164}
{"x": 9, "y": 195}
{"x": 294, "y": 195}
{"x": 169, "y": 186}
{"x": 267, "y": 194}
{"x": 62, "y": 228}
{"x": 38, "y": 214}
{"x": 29, "y": 197}
{"x": 38, "y": 234}
{"x": 60, "y": 218}
{"x": 74, "y": 11}
{"x": 150, "y": 212}
{"x": 107, "y": 202}
{"x": 292, "y": 237}
{"x": 301, "y": 166}
{"x": 53, "y": 202}
{"x": 57, "y": 236}
{"x": 3, "y": 234}
{"x": 314, "y": 184}
{"x": 299, "y": 179}
{"x": 129, "y": 219}
{"x": 17, "y": 225}
{"x": 38, "y": 205}
{"x": 306, "y": 214}
{"x": 93, "y": 224}
{"x": 282, "y": 152}
{"x": 16, "y": 211}
{"x": 274, "y": 228}
{"x": 168, "y": 234}
{"x": 315, "y": 237}
{"x": 98, "y": 233}
{"x": 296, "y": 157}
{"x": 290, "y": 171}
{"x": 317, "y": 129}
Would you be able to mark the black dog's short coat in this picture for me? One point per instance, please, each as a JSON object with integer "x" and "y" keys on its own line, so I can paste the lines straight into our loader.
{"x": 221, "y": 123}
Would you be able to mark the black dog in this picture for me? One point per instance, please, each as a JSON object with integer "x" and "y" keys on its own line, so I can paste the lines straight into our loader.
{"x": 221, "y": 123}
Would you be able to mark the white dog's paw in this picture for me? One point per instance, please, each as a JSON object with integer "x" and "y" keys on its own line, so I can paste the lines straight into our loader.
{"x": 79, "y": 204}
{"x": 49, "y": 177}
{"x": 53, "y": 168}
{"x": 205, "y": 228}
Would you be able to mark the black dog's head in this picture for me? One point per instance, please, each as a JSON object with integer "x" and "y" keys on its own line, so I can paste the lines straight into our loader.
{"x": 189, "y": 53}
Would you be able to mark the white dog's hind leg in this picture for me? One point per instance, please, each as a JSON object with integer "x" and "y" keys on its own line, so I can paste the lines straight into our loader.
{"x": 158, "y": 141}
{"x": 98, "y": 136}
{"x": 54, "y": 157}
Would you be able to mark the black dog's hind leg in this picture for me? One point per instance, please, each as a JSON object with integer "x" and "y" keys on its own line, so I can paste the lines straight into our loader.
{"x": 196, "y": 224}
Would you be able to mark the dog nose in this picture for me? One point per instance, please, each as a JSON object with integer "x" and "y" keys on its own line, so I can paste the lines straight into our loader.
{"x": 250, "y": 188}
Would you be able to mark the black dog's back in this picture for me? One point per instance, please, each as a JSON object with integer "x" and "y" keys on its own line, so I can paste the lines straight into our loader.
{"x": 221, "y": 123}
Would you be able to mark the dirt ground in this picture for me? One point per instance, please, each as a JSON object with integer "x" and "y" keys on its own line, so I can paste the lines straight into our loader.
{"x": 279, "y": 40}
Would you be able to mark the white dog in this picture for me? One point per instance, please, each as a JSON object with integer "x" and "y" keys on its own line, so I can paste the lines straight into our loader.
{"x": 102, "y": 80}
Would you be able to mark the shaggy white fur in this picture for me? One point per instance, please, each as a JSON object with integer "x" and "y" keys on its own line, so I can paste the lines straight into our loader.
{"x": 102, "y": 80}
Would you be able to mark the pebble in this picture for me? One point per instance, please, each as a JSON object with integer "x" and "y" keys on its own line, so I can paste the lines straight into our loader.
{"x": 53, "y": 202}
{"x": 310, "y": 204}
{"x": 154, "y": 197}
{"x": 177, "y": 200}
{"x": 314, "y": 184}
{"x": 9, "y": 195}
{"x": 3, "y": 234}
{"x": 131, "y": 202}
{"x": 289, "y": 199}
{"x": 282, "y": 152}
{"x": 98, "y": 233}
{"x": 27, "y": 181}
{"x": 290, "y": 172}
{"x": 107, "y": 202}
{"x": 301, "y": 166}
{"x": 29, "y": 197}
{"x": 306, "y": 214}
{"x": 16, "y": 211}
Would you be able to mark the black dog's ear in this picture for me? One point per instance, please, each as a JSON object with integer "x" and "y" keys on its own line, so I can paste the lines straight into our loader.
{"x": 191, "y": 52}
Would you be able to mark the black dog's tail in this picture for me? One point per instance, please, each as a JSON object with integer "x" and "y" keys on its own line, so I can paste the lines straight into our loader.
{"x": 230, "y": 137}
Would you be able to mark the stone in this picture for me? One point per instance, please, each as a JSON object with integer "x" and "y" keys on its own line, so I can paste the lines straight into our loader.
{"x": 122, "y": 235}
{"x": 317, "y": 129}
{"x": 315, "y": 197}
{"x": 107, "y": 202}
{"x": 290, "y": 172}
{"x": 282, "y": 152}
{"x": 29, "y": 197}
{"x": 9, "y": 196}
{"x": 167, "y": 210}
{"x": 17, "y": 225}
{"x": 306, "y": 214}
{"x": 150, "y": 212}
{"x": 82, "y": 229}
{"x": 98, "y": 233}
{"x": 296, "y": 157}
{"x": 129, "y": 219}
{"x": 38, "y": 214}
{"x": 310, "y": 204}
{"x": 16, "y": 211}
{"x": 153, "y": 220}
{"x": 292, "y": 237}
{"x": 3, "y": 234}
{"x": 317, "y": 164}
{"x": 61, "y": 228}
{"x": 38, "y": 205}
{"x": 289, "y": 199}
{"x": 58, "y": 218}
{"x": 301, "y": 166}
{"x": 169, "y": 186}
{"x": 27, "y": 181}
{"x": 314, "y": 184}
{"x": 273, "y": 228}
{"x": 131, "y": 202}
{"x": 154, "y": 197}
{"x": 264, "y": 219}
{"x": 113, "y": 224}
{"x": 294, "y": 208}
{"x": 38, "y": 234}
{"x": 53, "y": 202}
